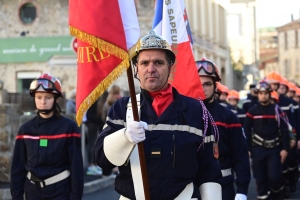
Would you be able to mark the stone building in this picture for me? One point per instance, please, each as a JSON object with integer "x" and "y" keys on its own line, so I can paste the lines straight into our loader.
{"x": 209, "y": 31}
{"x": 289, "y": 50}
{"x": 268, "y": 50}
{"x": 243, "y": 37}
{"x": 34, "y": 39}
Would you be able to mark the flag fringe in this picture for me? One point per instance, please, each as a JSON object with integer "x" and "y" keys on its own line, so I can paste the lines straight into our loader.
{"x": 99, "y": 43}
{"x": 98, "y": 91}
{"x": 116, "y": 73}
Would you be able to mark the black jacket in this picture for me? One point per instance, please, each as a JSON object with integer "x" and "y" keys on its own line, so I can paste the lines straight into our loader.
{"x": 262, "y": 120}
{"x": 179, "y": 129}
{"x": 60, "y": 151}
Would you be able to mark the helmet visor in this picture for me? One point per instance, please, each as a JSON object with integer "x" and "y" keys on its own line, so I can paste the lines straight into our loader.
{"x": 206, "y": 66}
{"x": 262, "y": 86}
{"x": 46, "y": 84}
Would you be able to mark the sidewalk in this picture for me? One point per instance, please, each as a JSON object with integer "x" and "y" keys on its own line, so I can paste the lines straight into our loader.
{"x": 91, "y": 184}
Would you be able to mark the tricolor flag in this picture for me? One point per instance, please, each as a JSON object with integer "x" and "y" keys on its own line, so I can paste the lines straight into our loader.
{"x": 106, "y": 32}
{"x": 171, "y": 22}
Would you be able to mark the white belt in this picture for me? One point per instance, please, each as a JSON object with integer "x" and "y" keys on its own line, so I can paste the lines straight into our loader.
{"x": 54, "y": 179}
{"x": 184, "y": 195}
{"x": 226, "y": 172}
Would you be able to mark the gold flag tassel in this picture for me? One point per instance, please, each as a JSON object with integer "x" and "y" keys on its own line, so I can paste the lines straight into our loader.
{"x": 116, "y": 73}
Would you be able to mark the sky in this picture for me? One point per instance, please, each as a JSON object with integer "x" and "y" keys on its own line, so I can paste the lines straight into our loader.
{"x": 274, "y": 13}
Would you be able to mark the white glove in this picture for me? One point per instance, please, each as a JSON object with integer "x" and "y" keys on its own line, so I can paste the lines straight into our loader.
{"x": 240, "y": 197}
{"x": 135, "y": 131}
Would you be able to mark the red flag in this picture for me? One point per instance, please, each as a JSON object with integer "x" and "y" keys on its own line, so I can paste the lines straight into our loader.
{"x": 171, "y": 22}
{"x": 106, "y": 32}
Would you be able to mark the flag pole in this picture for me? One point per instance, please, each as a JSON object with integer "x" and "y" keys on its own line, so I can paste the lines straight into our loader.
{"x": 141, "y": 144}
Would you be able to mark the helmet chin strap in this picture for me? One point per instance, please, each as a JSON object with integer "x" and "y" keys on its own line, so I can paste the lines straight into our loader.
{"x": 207, "y": 100}
{"x": 47, "y": 111}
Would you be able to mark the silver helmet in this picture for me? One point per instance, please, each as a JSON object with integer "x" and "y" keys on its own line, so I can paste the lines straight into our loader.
{"x": 153, "y": 41}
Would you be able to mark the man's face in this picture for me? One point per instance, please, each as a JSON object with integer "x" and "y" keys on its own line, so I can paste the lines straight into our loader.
{"x": 252, "y": 92}
{"x": 232, "y": 102}
{"x": 274, "y": 86}
{"x": 223, "y": 96}
{"x": 282, "y": 89}
{"x": 290, "y": 94}
{"x": 263, "y": 96}
{"x": 296, "y": 98}
{"x": 153, "y": 70}
{"x": 208, "y": 85}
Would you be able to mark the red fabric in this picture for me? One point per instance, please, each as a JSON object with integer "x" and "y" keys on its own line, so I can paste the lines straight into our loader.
{"x": 184, "y": 76}
{"x": 100, "y": 18}
{"x": 91, "y": 74}
{"x": 162, "y": 99}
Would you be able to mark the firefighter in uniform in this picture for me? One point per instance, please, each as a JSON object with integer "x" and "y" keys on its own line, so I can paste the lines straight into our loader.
{"x": 280, "y": 85}
{"x": 263, "y": 125}
{"x": 291, "y": 170}
{"x": 47, "y": 160}
{"x": 233, "y": 99}
{"x": 171, "y": 128}
{"x": 251, "y": 98}
{"x": 297, "y": 95}
{"x": 232, "y": 143}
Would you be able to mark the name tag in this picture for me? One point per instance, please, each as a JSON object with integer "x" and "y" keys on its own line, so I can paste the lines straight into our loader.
{"x": 155, "y": 153}
{"x": 43, "y": 142}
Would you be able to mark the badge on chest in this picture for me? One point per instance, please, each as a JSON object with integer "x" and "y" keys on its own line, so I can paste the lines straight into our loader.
{"x": 155, "y": 152}
{"x": 216, "y": 150}
{"x": 43, "y": 142}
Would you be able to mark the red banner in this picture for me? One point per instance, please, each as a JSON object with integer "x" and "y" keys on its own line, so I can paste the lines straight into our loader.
{"x": 106, "y": 32}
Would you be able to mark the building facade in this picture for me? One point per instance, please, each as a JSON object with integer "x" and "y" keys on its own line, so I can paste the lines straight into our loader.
{"x": 243, "y": 38}
{"x": 208, "y": 23}
{"x": 268, "y": 51}
{"x": 289, "y": 50}
{"x": 34, "y": 39}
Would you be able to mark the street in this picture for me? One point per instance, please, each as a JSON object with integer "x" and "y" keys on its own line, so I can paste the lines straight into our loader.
{"x": 110, "y": 194}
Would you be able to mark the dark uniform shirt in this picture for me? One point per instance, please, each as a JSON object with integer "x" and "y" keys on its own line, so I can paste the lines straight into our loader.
{"x": 232, "y": 147}
{"x": 178, "y": 129}
{"x": 263, "y": 121}
{"x": 47, "y": 147}
{"x": 249, "y": 102}
{"x": 297, "y": 118}
{"x": 287, "y": 107}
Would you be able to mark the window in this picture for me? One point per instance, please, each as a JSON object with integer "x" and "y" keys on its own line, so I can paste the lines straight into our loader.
{"x": 27, "y": 13}
{"x": 287, "y": 68}
{"x": 24, "y": 79}
{"x": 296, "y": 38}
{"x": 285, "y": 40}
{"x": 297, "y": 66}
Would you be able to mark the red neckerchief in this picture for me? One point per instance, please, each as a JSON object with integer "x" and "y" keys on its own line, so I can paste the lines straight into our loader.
{"x": 162, "y": 99}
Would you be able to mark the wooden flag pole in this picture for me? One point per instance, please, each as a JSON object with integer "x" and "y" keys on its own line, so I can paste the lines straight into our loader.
{"x": 140, "y": 145}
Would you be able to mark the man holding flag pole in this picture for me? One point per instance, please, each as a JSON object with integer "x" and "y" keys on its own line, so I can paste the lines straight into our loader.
{"x": 170, "y": 23}
{"x": 178, "y": 146}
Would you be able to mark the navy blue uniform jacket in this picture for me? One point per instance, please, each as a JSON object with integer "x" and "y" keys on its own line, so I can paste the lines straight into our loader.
{"x": 250, "y": 102}
{"x": 233, "y": 147}
{"x": 63, "y": 152}
{"x": 262, "y": 121}
{"x": 178, "y": 135}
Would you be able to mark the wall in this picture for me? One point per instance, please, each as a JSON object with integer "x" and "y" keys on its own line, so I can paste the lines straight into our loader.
{"x": 9, "y": 125}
